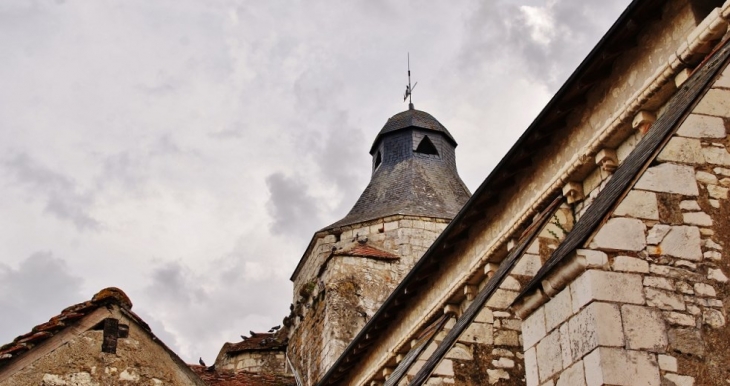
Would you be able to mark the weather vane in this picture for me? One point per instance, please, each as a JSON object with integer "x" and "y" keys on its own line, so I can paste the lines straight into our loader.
{"x": 409, "y": 89}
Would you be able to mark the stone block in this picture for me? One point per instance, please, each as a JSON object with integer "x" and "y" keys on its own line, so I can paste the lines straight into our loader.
{"x": 672, "y": 272}
{"x": 722, "y": 171}
{"x": 510, "y": 324}
{"x": 686, "y": 341}
{"x": 713, "y": 318}
{"x": 484, "y": 316}
{"x": 549, "y": 360}
{"x": 658, "y": 282}
{"x": 716, "y": 102}
{"x": 680, "y": 319}
{"x": 460, "y": 352}
{"x": 679, "y": 380}
{"x": 705, "y": 177}
{"x": 657, "y": 234}
{"x": 702, "y": 289}
{"x": 573, "y": 376}
{"x": 496, "y": 374}
{"x": 639, "y": 204}
{"x": 445, "y": 368}
{"x": 510, "y": 283}
{"x": 697, "y": 218}
{"x": 481, "y": 333}
{"x": 528, "y": 265}
{"x": 558, "y": 309}
{"x": 503, "y": 363}
{"x": 664, "y": 300}
{"x": 606, "y": 286}
{"x": 716, "y": 156}
{"x": 682, "y": 150}
{"x": 667, "y": 363}
{"x": 669, "y": 178}
{"x": 531, "y": 373}
{"x": 594, "y": 259}
{"x": 630, "y": 264}
{"x": 599, "y": 324}
{"x": 683, "y": 242}
{"x": 713, "y": 255}
{"x": 702, "y": 126}
{"x": 717, "y": 275}
{"x": 621, "y": 234}
{"x": 501, "y": 299}
{"x": 615, "y": 366}
{"x": 718, "y": 192}
{"x": 690, "y": 205}
{"x": 502, "y": 352}
{"x": 506, "y": 338}
{"x": 708, "y": 243}
{"x": 683, "y": 287}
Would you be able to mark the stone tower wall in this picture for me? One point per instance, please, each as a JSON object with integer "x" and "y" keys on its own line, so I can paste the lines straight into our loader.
{"x": 335, "y": 295}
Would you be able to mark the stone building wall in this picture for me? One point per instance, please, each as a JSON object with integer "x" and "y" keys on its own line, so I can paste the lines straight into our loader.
{"x": 642, "y": 80}
{"x": 80, "y": 361}
{"x": 335, "y": 294}
{"x": 489, "y": 351}
{"x": 652, "y": 308}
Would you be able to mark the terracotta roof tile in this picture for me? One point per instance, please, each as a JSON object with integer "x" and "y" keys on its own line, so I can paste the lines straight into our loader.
{"x": 241, "y": 378}
{"x": 67, "y": 317}
{"x": 258, "y": 342}
{"x": 361, "y": 250}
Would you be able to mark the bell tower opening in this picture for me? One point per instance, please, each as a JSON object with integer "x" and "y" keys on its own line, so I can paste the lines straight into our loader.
{"x": 426, "y": 147}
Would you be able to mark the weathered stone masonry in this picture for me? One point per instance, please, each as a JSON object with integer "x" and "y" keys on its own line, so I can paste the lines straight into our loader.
{"x": 653, "y": 306}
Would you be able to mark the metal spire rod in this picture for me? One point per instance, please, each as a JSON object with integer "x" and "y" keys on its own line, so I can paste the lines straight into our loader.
{"x": 409, "y": 90}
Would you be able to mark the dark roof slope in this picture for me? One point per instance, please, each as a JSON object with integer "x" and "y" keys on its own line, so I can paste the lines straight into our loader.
{"x": 412, "y": 118}
{"x": 415, "y": 186}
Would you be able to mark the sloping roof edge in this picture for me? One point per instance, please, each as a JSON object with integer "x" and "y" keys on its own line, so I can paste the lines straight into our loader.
{"x": 679, "y": 106}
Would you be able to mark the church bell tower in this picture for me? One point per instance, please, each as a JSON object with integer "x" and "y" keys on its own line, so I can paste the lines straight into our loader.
{"x": 351, "y": 266}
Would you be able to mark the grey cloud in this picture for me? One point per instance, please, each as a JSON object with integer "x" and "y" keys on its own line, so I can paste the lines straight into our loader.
{"x": 38, "y": 289}
{"x": 64, "y": 199}
{"x": 343, "y": 160}
{"x": 547, "y": 52}
{"x": 294, "y": 211}
{"x": 234, "y": 131}
{"x": 188, "y": 298}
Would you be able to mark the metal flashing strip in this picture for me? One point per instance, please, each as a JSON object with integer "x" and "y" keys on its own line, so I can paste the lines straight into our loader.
{"x": 624, "y": 177}
{"x": 481, "y": 299}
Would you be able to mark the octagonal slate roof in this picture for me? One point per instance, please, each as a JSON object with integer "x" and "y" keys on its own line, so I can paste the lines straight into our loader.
{"x": 412, "y": 118}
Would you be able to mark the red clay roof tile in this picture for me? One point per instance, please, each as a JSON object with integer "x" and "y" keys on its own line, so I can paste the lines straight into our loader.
{"x": 241, "y": 378}
{"x": 361, "y": 250}
{"x": 69, "y": 315}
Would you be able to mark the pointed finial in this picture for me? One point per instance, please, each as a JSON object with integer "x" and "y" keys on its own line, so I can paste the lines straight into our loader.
{"x": 409, "y": 89}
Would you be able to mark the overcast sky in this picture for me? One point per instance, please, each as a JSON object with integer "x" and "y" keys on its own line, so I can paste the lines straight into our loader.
{"x": 186, "y": 150}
